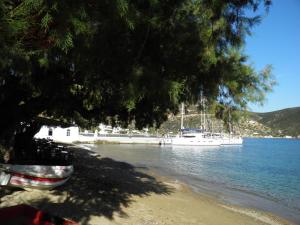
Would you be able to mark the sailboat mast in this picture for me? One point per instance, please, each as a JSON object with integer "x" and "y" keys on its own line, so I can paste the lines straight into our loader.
{"x": 230, "y": 128}
{"x": 204, "y": 116}
{"x": 182, "y": 112}
{"x": 201, "y": 120}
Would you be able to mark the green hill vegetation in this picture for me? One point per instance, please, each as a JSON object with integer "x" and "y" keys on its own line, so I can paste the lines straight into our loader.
{"x": 194, "y": 119}
{"x": 285, "y": 122}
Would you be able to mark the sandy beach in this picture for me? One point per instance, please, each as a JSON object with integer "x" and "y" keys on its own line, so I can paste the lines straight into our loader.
{"x": 104, "y": 191}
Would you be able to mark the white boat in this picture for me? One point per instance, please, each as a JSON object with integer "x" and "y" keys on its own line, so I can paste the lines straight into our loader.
{"x": 34, "y": 176}
{"x": 228, "y": 139}
{"x": 232, "y": 140}
{"x": 195, "y": 137}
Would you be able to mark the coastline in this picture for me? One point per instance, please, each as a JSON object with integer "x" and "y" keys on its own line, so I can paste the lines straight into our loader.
{"x": 234, "y": 197}
{"x": 212, "y": 204}
{"x": 105, "y": 191}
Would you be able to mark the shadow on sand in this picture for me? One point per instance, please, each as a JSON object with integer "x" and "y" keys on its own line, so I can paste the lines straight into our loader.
{"x": 98, "y": 187}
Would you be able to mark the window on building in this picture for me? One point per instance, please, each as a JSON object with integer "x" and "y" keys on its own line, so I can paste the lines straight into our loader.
{"x": 68, "y": 132}
{"x": 50, "y": 132}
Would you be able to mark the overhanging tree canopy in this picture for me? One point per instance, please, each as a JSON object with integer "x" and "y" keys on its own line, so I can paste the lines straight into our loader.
{"x": 89, "y": 61}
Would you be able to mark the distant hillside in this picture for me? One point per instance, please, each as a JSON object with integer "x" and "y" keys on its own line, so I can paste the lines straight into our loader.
{"x": 278, "y": 123}
{"x": 285, "y": 121}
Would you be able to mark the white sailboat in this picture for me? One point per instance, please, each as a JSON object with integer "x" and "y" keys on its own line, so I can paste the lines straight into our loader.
{"x": 231, "y": 139}
{"x": 193, "y": 137}
{"x": 228, "y": 139}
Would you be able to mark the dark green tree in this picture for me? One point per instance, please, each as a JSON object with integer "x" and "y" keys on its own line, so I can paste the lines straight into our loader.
{"x": 97, "y": 61}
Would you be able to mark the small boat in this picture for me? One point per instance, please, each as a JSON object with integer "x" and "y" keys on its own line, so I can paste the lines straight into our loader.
{"x": 34, "y": 176}
{"x": 27, "y": 215}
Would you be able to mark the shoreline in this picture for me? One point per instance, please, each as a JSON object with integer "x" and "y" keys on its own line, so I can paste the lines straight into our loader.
{"x": 226, "y": 192}
{"x": 209, "y": 196}
{"x": 105, "y": 191}
{"x": 236, "y": 197}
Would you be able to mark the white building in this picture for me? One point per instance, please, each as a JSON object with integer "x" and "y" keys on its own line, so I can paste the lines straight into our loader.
{"x": 105, "y": 134}
{"x": 59, "y": 134}
{"x": 107, "y": 129}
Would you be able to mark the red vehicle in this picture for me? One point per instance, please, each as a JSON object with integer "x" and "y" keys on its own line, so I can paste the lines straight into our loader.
{"x": 27, "y": 215}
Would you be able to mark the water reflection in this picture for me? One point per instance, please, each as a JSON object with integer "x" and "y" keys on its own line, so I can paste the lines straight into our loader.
{"x": 195, "y": 148}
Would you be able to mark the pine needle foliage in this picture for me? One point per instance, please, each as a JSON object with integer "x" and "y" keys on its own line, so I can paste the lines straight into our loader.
{"x": 98, "y": 61}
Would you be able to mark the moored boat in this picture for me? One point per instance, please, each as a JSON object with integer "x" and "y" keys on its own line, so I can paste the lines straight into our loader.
{"x": 232, "y": 141}
{"x": 34, "y": 176}
{"x": 228, "y": 139}
{"x": 194, "y": 137}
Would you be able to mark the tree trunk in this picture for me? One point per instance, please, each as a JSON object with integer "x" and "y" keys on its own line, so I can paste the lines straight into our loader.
{"x": 7, "y": 142}
{"x": 16, "y": 144}
{"x": 24, "y": 147}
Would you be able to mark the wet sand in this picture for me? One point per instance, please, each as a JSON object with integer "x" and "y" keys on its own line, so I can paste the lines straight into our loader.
{"x": 104, "y": 191}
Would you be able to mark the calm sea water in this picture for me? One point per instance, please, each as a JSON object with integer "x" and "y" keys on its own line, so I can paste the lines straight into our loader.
{"x": 263, "y": 173}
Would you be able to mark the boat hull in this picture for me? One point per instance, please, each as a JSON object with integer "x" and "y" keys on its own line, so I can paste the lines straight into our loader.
{"x": 182, "y": 141}
{"x": 232, "y": 141}
{"x": 39, "y": 170}
{"x": 34, "y": 176}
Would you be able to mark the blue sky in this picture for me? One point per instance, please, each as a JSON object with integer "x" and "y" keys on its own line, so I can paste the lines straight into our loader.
{"x": 276, "y": 41}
